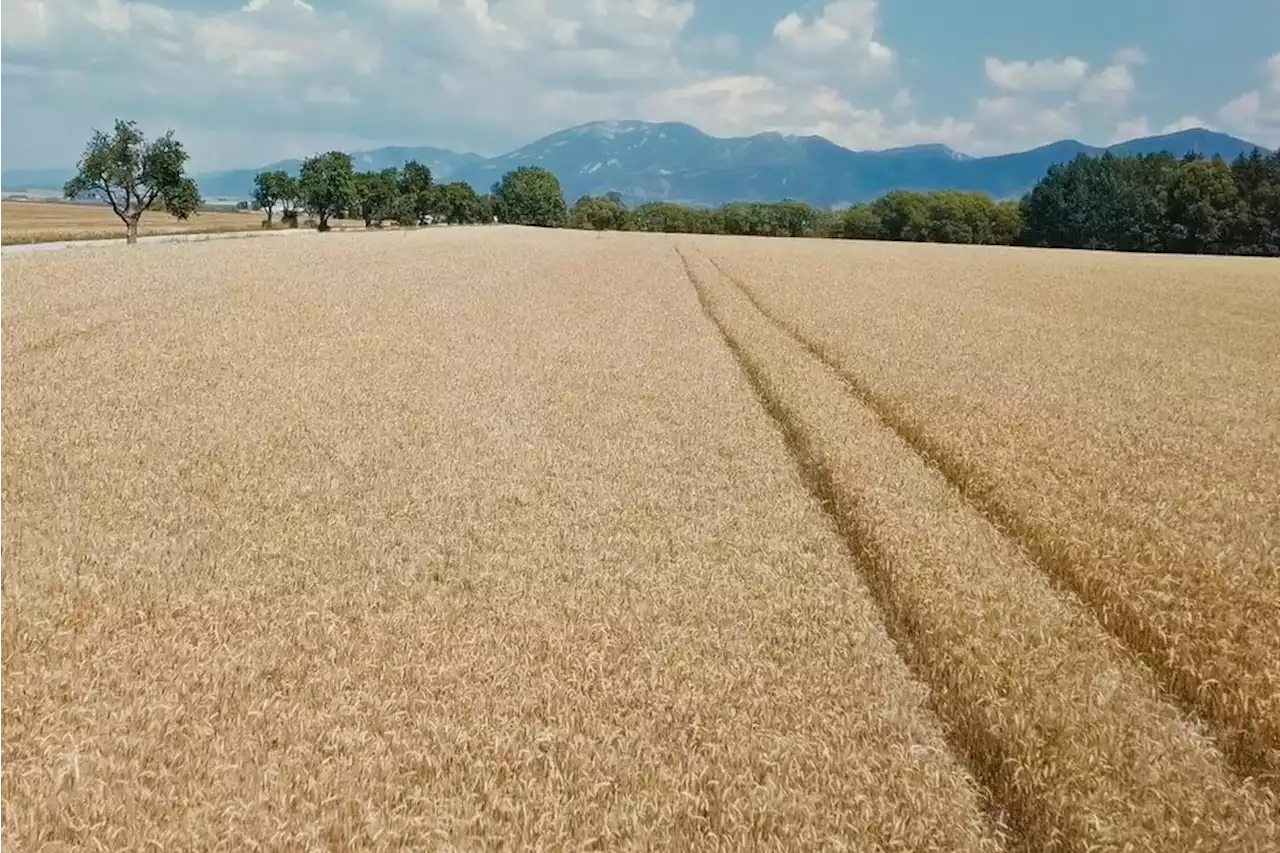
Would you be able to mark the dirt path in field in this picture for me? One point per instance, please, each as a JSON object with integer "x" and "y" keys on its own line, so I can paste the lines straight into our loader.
{"x": 1073, "y": 734}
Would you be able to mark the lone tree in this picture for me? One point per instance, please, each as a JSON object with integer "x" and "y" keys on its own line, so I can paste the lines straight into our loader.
{"x": 272, "y": 188}
{"x": 326, "y": 186}
{"x": 530, "y": 195}
{"x": 132, "y": 174}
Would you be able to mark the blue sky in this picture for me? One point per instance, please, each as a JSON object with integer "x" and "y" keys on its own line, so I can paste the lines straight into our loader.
{"x": 246, "y": 82}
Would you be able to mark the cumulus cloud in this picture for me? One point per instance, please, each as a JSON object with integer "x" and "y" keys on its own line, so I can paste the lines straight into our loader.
{"x": 1044, "y": 75}
{"x": 1140, "y": 127}
{"x": 1112, "y": 85}
{"x": 1038, "y": 101}
{"x": 1185, "y": 123}
{"x": 744, "y": 104}
{"x": 488, "y": 75}
{"x": 1255, "y": 114}
{"x": 1131, "y": 128}
{"x": 726, "y": 105}
{"x": 1029, "y": 121}
{"x": 844, "y": 27}
{"x": 1243, "y": 111}
{"x": 1130, "y": 56}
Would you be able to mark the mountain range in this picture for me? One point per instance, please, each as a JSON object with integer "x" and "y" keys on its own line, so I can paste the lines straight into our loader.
{"x": 672, "y": 161}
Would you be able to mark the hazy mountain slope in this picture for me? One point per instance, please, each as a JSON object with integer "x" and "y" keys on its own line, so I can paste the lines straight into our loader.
{"x": 673, "y": 161}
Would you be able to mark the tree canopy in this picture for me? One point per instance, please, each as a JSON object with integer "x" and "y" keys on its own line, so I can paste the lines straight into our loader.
{"x": 326, "y": 185}
{"x": 457, "y": 202}
{"x": 416, "y": 194}
{"x": 275, "y": 188}
{"x": 376, "y": 195}
{"x": 602, "y": 213}
{"x": 530, "y": 195}
{"x": 132, "y": 175}
{"x": 1155, "y": 203}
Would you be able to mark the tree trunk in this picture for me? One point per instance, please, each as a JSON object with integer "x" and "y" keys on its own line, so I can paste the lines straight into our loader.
{"x": 131, "y": 233}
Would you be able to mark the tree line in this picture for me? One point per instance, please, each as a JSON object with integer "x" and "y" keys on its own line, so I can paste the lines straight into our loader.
{"x": 1149, "y": 203}
{"x": 938, "y": 217}
{"x": 328, "y": 187}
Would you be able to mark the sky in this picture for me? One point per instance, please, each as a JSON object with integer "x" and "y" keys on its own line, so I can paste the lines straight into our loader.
{"x": 247, "y": 82}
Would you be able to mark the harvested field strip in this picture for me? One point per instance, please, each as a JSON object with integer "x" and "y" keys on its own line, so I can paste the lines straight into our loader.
{"x": 453, "y": 541}
{"x": 1071, "y": 734}
{"x": 1197, "y": 602}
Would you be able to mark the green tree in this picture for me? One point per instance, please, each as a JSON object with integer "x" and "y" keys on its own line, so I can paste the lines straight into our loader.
{"x": 860, "y": 222}
{"x": 1202, "y": 200}
{"x": 417, "y": 196}
{"x": 458, "y": 203}
{"x": 1254, "y": 227}
{"x": 530, "y": 195}
{"x": 269, "y": 189}
{"x": 1006, "y": 223}
{"x": 749, "y": 219}
{"x": 795, "y": 218}
{"x": 376, "y": 195}
{"x": 903, "y": 215}
{"x": 326, "y": 186}
{"x": 1103, "y": 202}
{"x": 290, "y": 198}
{"x": 599, "y": 214}
{"x": 133, "y": 175}
{"x": 665, "y": 217}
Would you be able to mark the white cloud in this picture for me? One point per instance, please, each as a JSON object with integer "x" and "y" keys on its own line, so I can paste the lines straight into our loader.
{"x": 1112, "y": 85}
{"x": 1255, "y": 114}
{"x": 337, "y": 95}
{"x": 1243, "y": 111}
{"x": 259, "y": 5}
{"x": 26, "y": 22}
{"x": 1137, "y": 128}
{"x": 1045, "y": 75}
{"x": 1026, "y": 123}
{"x": 1185, "y": 123}
{"x": 492, "y": 74}
{"x": 744, "y": 104}
{"x": 1130, "y": 56}
{"x": 1043, "y": 100}
{"x": 844, "y": 27}
{"x": 1131, "y": 128}
{"x": 725, "y": 105}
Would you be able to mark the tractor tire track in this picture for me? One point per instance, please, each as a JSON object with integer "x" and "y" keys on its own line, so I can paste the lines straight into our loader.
{"x": 1073, "y": 738}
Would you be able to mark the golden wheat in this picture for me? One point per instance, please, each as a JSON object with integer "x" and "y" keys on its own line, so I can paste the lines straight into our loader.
{"x": 1118, "y": 415}
{"x": 447, "y": 540}
{"x": 37, "y": 222}
{"x": 1071, "y": 734}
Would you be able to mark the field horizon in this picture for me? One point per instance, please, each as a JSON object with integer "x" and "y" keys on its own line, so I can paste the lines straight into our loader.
{"x": 501, "y": 537}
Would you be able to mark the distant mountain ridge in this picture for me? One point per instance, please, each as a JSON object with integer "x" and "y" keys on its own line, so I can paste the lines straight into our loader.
{"x": 673, "y": 161}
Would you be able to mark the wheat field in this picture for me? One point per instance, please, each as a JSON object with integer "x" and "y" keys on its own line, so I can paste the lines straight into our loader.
{"x": 47, "y": 222}
{"x": 493, "y": 538}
